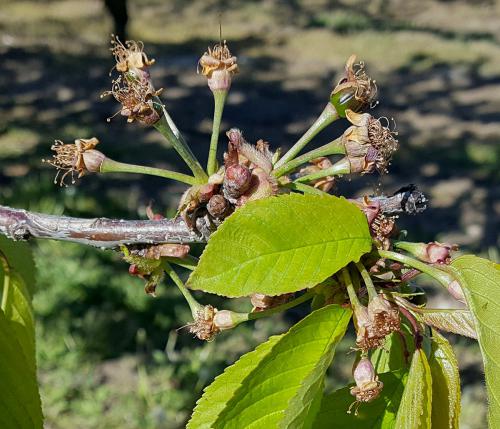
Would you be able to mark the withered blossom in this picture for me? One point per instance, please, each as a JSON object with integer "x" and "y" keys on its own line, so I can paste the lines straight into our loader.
{"x": 78, "y": 158}
{"x": 262, "y": 302}
{"x": 355, "y": 91}
{"x": 366, "y": 337}
{"x": 383, "y": 316}
{"x": 129, "y": 56}
{"x": 203, "y": 327}
{"x": 369, "y": 145}
{"x": 136, "y": 97}
{"x": 218, "y": 65}
{"x": 368, "y": 386}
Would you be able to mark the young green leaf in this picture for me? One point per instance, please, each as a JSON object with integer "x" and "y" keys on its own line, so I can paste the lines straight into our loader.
{"x": 445, "y": 384}
{"x": 380, "y": 413}
{"x": 20, "y": 404}
{"x": 458, "y": 321}
{"x": 480, "y": 281}
{"x": 416, "y": 404}
{"x": 282, "y": 391}
{"x": 281, "y": 244}
{"x": 217, "y": 395}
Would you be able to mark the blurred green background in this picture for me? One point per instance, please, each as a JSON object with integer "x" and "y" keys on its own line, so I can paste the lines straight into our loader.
{"x": 111, "y": 357}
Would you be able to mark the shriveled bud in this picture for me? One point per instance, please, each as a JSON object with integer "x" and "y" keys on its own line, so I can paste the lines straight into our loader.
{"x": 369, "y": 144}
{"x": 226, "y": 319}
{"x": 80, "y": 158}
{"x": 206, "y": 192}
{"x": 262, "y": 185}
{"x": 218, "y": 207}
{"x": 203, "y": 326}
{"x": 368, "y": 386}
{"x": 383, "y": 316}
{"x": 355, "y": 91}
{"x": 432, "y": 253}
{"x": 218, "y": 65}
{"x": 236, "y": 181}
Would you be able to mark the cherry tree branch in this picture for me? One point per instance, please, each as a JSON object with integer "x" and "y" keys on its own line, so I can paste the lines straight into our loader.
{"x": 99, "y": 232}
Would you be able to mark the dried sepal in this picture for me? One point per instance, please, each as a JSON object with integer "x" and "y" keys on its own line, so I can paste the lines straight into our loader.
{"x": 75, "y": 159}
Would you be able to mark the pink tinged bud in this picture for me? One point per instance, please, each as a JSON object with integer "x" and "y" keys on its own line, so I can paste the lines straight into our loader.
{"x": 237, "y": 180}
{"x": 220, "y": 80}
{"x": 93, "y": 160}
{"x": 364, "y": 372}
{"x": 440, "y": 253}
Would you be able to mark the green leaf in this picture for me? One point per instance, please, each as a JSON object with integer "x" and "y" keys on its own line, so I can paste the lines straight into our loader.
{"x": 20, "y": 405}
{"x": 480, "y": 281}
{"x": 415, "y": 407}
{"x": 217, "y": 395}
{"x": 380, "y": 413}
{"x": 282, "y": 391}
{"x": 281, "y": 244}
{"x": 445, "y": 384}
{"x": 20, "y": 258}
{"x": 458, "y": 321}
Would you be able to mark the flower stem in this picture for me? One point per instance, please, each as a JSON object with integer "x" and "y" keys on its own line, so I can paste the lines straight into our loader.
{"x": 193, "y": 304}
{"x": 219, "y": 100}
{"x": 444, "y": 278}
{"x": 372, "y": 292}
{"x": 341, "y": 167}
{"x": 335, "y": 147}
{"x": 306, "y": 189}
{"x": 280, "y": 308}
{"x": 353, "y": 297}
{"x": 6, "y": 281}
{"x": 327, "y": 116}
{"x": 189, "y": 262}
{"x": 111, "y": 166}
{"x": 168, "y": 129}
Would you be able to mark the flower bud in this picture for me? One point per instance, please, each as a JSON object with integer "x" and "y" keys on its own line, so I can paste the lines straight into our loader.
{"x": 218, "y": 207}
{"x": 236, "y": 181}
{"x": 432, "y": 253}
{"x": 218, "y": 65}
{"x": 456, "y": 291}
{"x": 368, "y": 386}
{"x": 355, "y": 91}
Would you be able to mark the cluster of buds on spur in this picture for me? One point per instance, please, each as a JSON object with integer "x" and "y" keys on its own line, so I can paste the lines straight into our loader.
{"x": 244, "y": 177}
{"x": 75, "y": 159}
{"x": 368, "y": 386}
{"x": 209, "y": 322}
{"x": 218, "y": 65}
{"x": 369, "y": 145}
{"x": 374, "y": 323}
{"x": 355, "y": 91}
{"x": 133, "y": 88}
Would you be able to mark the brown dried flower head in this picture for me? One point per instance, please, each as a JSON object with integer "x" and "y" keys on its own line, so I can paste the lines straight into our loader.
{"x": 366, "y": 337}
{"x": 203, "y": 327}
{"x": 355, "y": 91}
{"x": 130, "y": 55}
{"x": 369, "y": 144}
{"x": 384, "y": 317}
{"x": 135, "y": 93}
{"x": 218, "y": 65}
{"x": 78, "y": 158}
{"x": 368, "y": 386}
